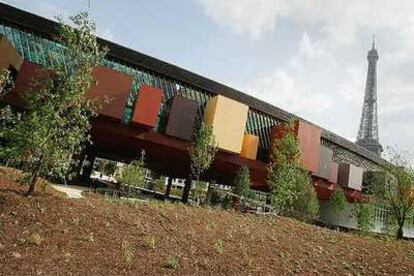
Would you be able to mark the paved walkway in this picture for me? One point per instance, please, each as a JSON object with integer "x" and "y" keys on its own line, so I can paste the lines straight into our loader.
{"x": 70, "y": 191}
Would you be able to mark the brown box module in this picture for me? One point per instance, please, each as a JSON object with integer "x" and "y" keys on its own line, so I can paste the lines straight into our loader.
{"x": 350, "y": 176}
{"x": 28, "y": 77}
{"x": 113, "y": 85}
{"x": 309, "y": 138}
{"x": 182, "y": 118}
{"x": 325, "y": 161}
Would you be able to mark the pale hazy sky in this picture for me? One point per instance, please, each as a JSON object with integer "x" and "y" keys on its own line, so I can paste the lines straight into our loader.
{"x": 305, "y": 56}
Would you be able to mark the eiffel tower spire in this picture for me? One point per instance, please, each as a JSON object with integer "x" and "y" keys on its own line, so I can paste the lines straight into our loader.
{"x": 368, "y": 128}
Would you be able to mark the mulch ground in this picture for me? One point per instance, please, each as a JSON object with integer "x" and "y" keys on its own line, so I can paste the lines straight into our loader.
{"x": 49, "y": 234}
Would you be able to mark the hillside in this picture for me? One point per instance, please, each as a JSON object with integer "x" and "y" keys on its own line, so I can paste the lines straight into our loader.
{"x": 49, "y": 235}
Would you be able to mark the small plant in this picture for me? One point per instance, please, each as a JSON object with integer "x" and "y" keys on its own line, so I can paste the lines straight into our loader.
{"x": 219, "y": 246}
{"x": 127, "y": 254}
{"x": 150, "y": 242}
{"x": 88, "y": 238}
{"x": 171, "y": 262}
{"x": 34, "y": 239}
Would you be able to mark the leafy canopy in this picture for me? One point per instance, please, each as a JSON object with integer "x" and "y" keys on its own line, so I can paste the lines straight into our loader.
{"x": 133, "y": 174}
{"x": 393, "y": 187}
{"x": 203, "y": 151}
{"x": 56, "y": 122}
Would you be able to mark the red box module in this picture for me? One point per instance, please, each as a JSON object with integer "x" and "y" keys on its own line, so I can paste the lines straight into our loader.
{"x": 146, "y": 106}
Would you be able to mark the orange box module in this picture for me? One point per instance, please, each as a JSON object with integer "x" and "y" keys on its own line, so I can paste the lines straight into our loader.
{"x": 250, "y": 146}
{"x": 146, "y": 106}
{"x": 309, "y": 138}
{"x": 114, "y": 86}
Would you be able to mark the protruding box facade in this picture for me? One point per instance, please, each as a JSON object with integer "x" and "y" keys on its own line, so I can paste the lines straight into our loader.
{"x": 309, "y": 138}
{"x": 350, "y": 176}
{"x": 25, "y": 82}
{"x": 146, "y": 106}
{"x": 325, "y": 161}
{"x": 228, "y": 119}
{"x": 113, "y": 86}
{"x": 333, "y": 172}
{"x": 9, "y": 56}
{"x": 250, "y": 146}
{"x": 181, "y": 118}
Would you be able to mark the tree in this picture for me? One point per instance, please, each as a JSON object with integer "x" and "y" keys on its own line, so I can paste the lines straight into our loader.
{"x": 364, "y": 214}
{"x": 241, "y": 185}
{"x": 133, "y": 174}
{"x": 338, "y": 200}
{"x": 290, "y": 184}
{"x": 202, "y": 153}
{"x": 394, "y": 188}
{"x": 110, "y": 167}
{"x": 56, "y": 123}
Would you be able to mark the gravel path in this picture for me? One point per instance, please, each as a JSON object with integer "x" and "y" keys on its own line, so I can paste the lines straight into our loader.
{"x": 70, "y": 191}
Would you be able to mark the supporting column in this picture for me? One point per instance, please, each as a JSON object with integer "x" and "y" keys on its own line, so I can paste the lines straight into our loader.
{"x": 75, "y": 174}
{"x": 186, "y": 190}
{"x": 168, "y": 190}
{"x": 88, "y": 166}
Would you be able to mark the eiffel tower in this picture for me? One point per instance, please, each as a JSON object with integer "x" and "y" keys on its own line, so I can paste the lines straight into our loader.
{"x": 368, "y": 128}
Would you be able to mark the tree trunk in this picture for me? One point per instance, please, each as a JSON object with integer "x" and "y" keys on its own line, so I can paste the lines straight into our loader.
{"x": 186, "y": 191}
{"x": 400, "y": 232}
{"x": 168, "y": 190}
{"x": 31, "y": 190}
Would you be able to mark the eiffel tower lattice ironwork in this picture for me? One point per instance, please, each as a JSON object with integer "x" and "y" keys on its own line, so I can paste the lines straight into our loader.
{"x": 368, "y": 128}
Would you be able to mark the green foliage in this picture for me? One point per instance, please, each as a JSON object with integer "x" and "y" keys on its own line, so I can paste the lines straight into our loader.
{"x": 133, "y": 174}
{"x": 159, "y": 184}
{"x": 171, "y": 262}
{"x": 5, "y": 82}
{"x": 364, "y": 214}
{"x": 219, "y": 246}
{"x": 242, "y": 182}
{"x": 127, "y": 254}
{"x": 338, "y": 200}
{"x": 290, "y": 184}
{"x": 203, "y": 151}
{"x": 394, "y": 187}
{"x": 57, "y": 122}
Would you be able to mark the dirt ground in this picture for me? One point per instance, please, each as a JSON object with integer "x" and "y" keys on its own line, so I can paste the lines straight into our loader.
{"x": 49, "y": 234}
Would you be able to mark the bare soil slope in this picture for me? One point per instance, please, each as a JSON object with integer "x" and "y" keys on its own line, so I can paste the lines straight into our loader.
{"x": 52, "y": 235}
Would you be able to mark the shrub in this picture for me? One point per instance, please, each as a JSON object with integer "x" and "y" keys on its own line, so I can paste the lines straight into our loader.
{"x": 242, "y": 182}
{"x": 338, "y": 200}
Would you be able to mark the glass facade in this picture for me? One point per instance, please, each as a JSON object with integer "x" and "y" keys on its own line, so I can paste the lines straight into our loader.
{"x": 37, "y": 48}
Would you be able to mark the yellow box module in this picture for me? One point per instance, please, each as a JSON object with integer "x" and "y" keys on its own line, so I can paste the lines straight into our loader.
{"x": 228, "y": 119}
{"x": 9, "y": 57}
